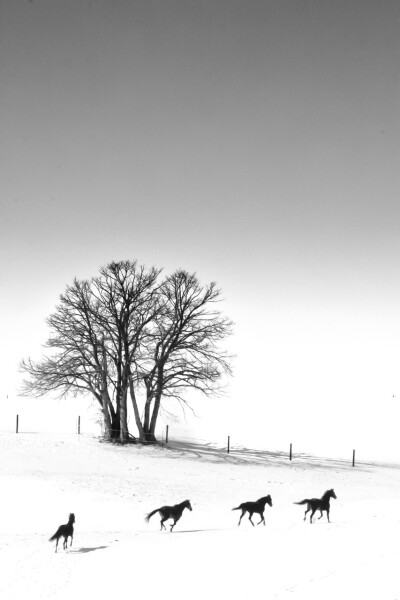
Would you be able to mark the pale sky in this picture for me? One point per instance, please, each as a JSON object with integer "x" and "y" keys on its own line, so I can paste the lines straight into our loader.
{"x": 254, "y": 142}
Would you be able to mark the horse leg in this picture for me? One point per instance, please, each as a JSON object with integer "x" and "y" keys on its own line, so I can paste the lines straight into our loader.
{"x": 305, "y": 514}
{"x": 162, "y": 523}
{"x": 262, "y": 520}
{"x": 57, "y": 543}
{"x": 327, "y": 514}
{"x": 312, "y": 514}
{"x": 176, "y": 519}
{"x": 250, "y": 515}
{"x": 241, "y": 516}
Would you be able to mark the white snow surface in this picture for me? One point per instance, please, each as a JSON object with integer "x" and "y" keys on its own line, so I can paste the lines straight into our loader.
{"x": 111, "y": 488}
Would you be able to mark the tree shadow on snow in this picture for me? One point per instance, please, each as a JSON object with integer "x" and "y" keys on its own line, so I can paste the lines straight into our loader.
{"x": 240, "y": 455}
{"x": 214, "y": 453}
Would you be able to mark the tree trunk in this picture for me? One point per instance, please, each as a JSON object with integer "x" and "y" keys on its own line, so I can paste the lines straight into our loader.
{"x": 146, "y": 420}
{"x": 154, "y": 416}
{"x": 110, "y": 417}
{"x": 135, "y": 409}
{"x": 123, "y": 414}
{"x": 112, "y": 427}
{"x": 157, "y": 403}
{"x": 116, "y": 426}
{"x": 108, "y": 434}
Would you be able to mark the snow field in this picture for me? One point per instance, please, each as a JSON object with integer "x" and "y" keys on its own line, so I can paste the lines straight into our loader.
{"x": 111, "y": 489}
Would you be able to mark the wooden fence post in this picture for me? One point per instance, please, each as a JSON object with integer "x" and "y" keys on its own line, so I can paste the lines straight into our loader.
{"x": 79, "y": 425}
{"x": 354, "y": 457}
{"x": 290, "y": 452}
{"x": 166, "y": 434}
{"x": 229, "y": 444}
{"x": 17, "y": 424}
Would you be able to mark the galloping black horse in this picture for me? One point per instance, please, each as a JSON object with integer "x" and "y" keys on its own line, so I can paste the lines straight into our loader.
{"x": 321, "y": 504}
{"x": 65, "y": 531}
{"x": 254, "y": 507}
{"x": 170, "y": 512}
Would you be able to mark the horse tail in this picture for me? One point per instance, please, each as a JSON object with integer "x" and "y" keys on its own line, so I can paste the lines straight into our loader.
{"x": 53, "y": 537}
{"x": 237, "y": 507}
{"x": 302, "y": 502}
{"x": 148, "y": 517}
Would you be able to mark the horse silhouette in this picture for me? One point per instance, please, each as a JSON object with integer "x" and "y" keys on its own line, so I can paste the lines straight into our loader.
{"x": 170, "y": 512}
{"x": 65, "y": 531}
{"x": 321, "y": 504}
{"x": 254, "y": 507}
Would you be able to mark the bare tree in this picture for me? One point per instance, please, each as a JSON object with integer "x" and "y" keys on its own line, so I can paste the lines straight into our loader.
{"x": 77, "y": 361}
{"x": 128, "y": 297}
{"x": 124, "y": 332}
{"x": 183, "y": 351}
{"x": 95, "y": 332}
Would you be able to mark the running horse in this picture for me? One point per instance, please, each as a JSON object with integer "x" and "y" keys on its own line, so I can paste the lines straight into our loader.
{"x": 170, "y": 512}
{"x": 321, "y": 504}
{"x": 254, "y": 507}
{"x": 65, "y": 531}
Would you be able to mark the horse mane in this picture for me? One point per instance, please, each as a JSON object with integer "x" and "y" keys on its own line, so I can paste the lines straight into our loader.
{"x": 327, "y": 493}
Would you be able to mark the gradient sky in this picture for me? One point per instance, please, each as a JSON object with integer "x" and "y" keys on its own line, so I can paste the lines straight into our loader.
{"x": 254, "y": 142}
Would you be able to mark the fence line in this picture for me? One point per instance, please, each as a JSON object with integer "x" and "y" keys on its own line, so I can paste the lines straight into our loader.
{"x": 229, "y": 450}
{"x": 165, "y": 440}
{"x": 19, "y": 427}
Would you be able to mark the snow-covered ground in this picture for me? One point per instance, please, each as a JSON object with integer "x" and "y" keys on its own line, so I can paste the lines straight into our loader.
{"x": 116, "y": 554}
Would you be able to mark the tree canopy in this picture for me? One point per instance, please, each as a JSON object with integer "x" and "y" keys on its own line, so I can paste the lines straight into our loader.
{"x": 127, "y": 333}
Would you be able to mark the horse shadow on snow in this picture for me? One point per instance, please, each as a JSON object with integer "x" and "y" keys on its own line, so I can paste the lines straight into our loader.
{"x": 86, "y": 550}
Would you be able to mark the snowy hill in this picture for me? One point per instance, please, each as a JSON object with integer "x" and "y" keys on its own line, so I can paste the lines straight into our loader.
{"x": 111, "y": 488}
